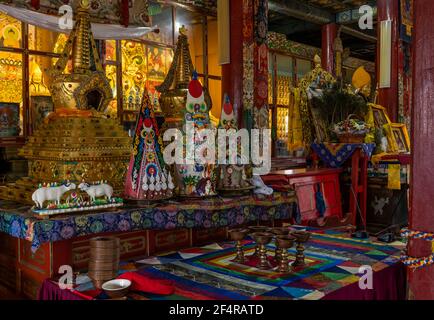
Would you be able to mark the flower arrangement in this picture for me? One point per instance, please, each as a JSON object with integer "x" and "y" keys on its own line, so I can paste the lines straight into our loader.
{"x": 340, "y": 109}
{"x": 351, "y": 130}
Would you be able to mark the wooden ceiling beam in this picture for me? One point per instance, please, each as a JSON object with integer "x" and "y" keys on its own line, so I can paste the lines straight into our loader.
{"x": 305, "y": 12}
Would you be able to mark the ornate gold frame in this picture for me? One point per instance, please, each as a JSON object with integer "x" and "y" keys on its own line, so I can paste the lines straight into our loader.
{"x": 378, "y": 108}
{"x": 401, "y": 130}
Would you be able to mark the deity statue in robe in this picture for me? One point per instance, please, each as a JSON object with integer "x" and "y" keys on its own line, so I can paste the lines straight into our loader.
{"x": 361, "y": 82}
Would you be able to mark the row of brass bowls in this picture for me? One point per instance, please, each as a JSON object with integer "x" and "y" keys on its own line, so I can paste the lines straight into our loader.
{"x": 284, "y": 239}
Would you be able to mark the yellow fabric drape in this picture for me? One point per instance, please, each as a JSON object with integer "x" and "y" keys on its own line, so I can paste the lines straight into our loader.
{"x": 394, "y": 177}
{"x": 295, "y": 129}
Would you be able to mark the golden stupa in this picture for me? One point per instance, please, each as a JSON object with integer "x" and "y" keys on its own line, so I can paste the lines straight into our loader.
{"x": 175, "y": 86}
{"x": 77, "y": 141}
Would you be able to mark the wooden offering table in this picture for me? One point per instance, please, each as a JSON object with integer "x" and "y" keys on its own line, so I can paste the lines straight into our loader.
{"x": 335, "y": 155}
{"x": 32, "y": 250}
{"x": 307, "y": 183}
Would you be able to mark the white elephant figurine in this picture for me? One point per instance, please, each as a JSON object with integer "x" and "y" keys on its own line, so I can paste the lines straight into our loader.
{"x": 51, "y": 194}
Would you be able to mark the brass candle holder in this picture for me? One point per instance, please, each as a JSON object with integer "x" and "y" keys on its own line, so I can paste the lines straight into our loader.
{"x": 301, "y": 238}
{"x": 262, "y": 239}
{"x": 278, "y": 231}
{"x": 252, "y": 230}
{"x": 238, "y": 235}
{"x": 284, "y": 242}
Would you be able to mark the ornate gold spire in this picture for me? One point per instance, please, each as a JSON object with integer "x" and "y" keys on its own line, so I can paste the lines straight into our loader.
{"x": 87, "y": 87}
{"x": 82, "y": 47}
{"x": 76, "y": 142}
{"x": 174, "y": 88}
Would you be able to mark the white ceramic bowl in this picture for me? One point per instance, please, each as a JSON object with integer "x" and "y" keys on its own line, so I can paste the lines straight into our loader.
{"x": 117, "y": 288}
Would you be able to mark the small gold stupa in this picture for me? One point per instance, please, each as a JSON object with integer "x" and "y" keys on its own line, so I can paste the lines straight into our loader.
{"x": 175, "y": 86}
{"x": 77, "y": 141}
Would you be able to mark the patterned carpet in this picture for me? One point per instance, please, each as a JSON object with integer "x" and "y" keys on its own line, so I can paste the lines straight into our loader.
{"x": 332, "y": 262}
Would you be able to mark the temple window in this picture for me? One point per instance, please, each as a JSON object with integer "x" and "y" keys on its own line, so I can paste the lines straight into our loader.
{"x": 144, "y": 63}
{"x": 284, "y": 72}
{"x": 130, "y": 66}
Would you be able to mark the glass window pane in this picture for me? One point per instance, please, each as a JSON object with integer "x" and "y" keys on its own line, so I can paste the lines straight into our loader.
{"x": 161, "y": 16}
{"x": 41, "y": 103}
{"x": 134, "y": 71}
{"x": 303, "y": 67}
{"x": 193, "y": 22}
{"x": 59, "y": 46}
{"x": 11, "y": 97}
{"x": 284, "y": 79}
{"x": 284, "y": 65}
{"x": 213, "y": 59}
{"x": 110, "y": 72}
{"x": 44, "y": 40}
{"x": 215, "y": 91}
{"x": 110, "y": 50}
{"x": 270, "y": 78}
{"x": 159, "y": 62}
{"x": 10, "y": 32}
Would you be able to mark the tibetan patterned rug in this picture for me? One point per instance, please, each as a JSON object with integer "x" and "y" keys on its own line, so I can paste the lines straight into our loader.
{"x": 332, "y": 271}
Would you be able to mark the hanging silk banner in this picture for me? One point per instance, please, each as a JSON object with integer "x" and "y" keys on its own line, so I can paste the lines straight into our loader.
{"x": 394, "y": 177}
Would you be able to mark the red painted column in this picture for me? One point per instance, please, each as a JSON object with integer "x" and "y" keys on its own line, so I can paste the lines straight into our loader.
{"x": 388, "y": 97}
{"x": 329, "y": 33}
{"x": 421, "y": 282}
{"x": 232, "y": 73}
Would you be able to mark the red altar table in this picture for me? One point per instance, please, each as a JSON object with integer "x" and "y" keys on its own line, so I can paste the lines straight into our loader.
{"x": 335, "y": 155}
{"x": 32, "y": 250}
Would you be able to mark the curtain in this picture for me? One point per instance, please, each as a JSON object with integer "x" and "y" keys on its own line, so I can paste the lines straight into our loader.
{"x": 100, "y": 31}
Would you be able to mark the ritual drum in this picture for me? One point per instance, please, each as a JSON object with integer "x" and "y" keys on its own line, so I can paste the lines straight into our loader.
{"x": 104, "y": 259}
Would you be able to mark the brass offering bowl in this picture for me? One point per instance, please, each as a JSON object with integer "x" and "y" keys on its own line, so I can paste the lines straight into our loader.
{"x": 262, "y": 239}
{"x": 254, "y": 229}
{"x": 278, "y": 231}
{"x": 284, "y": 242}
{"x": 238, "y": 235}
{"x": 117, "y": 288}
{"x": 301, "y": 238}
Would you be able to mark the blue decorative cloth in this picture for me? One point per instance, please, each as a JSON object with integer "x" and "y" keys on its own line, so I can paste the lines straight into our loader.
{"x": 320, "y": 203}
{"x": 335, "y": 154}
{"x": 216, "y": 212}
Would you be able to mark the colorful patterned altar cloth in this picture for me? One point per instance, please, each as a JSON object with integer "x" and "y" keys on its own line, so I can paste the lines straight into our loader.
{"x": 335, "y": 154}
{"x": 331, "y": 272}
{"x": 17, "y": 220}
